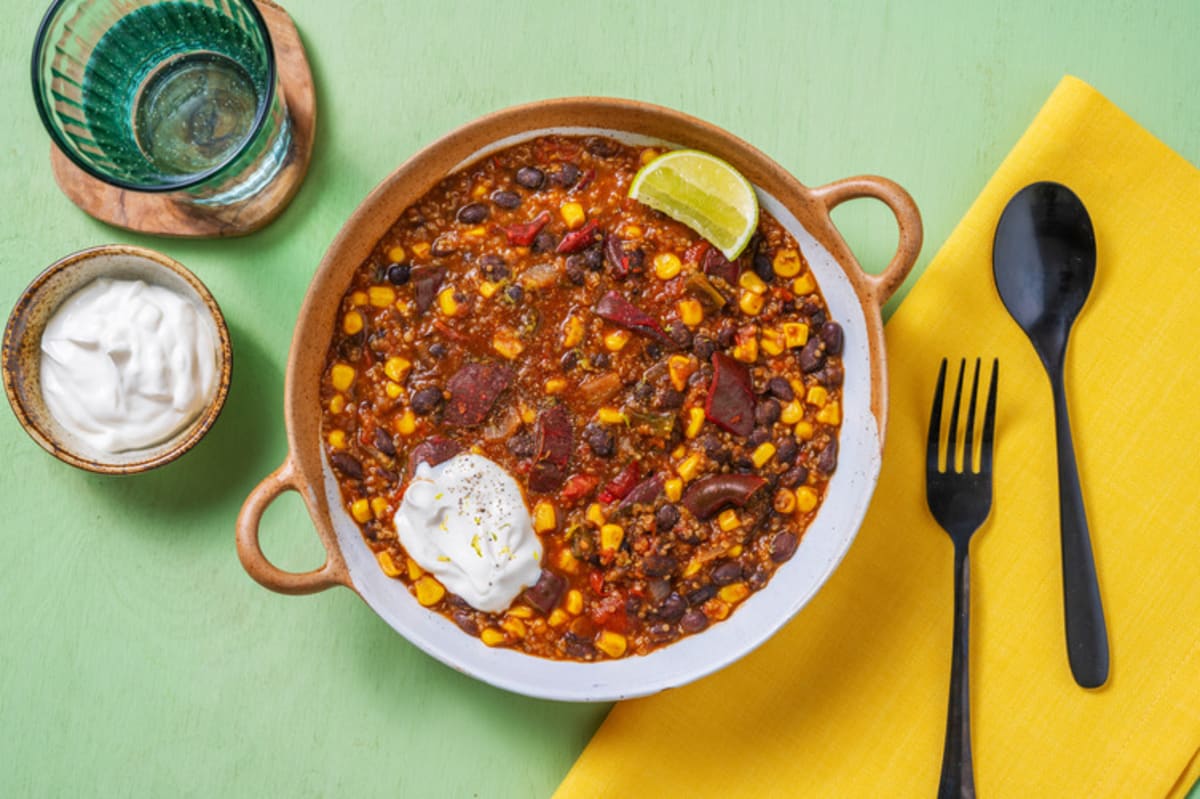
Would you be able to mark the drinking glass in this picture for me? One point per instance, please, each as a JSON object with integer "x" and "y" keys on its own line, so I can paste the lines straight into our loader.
{"x": 164, "y": 95}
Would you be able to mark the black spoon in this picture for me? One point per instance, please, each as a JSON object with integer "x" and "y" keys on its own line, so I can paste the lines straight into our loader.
{"x": 1044, "y": 261}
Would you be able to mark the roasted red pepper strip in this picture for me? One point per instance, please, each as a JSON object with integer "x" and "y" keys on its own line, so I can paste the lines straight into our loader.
{"x": 523, "y": 235}
{"x": 587, "y": 178}
{"x": 614, "y": 308}
{"x": 578, "y": 239}
{"x": 622, "y": 484}
{"x": 578, "y": 486}
{"x": 693, "y": 254}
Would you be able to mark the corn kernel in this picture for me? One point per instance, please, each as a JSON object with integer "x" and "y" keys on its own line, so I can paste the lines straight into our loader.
{"x": 750, "y": 303}
{"x": 337, "y": 439}
{"x": 595, "y": 514}
{"x": 615, "y": 340}
{"x": 352, "y": 323}
{"x": 690, "y": 467}
{"x": 611, "y": 644}
{"x": 817, "y": 395}
{"x": 415, "y": 572}
{"x": 358, "y": 299}
{"x": 763, "y": 453}
{"x": 493, "y": 637}
{"x": 480, "y": 189}
{"x": 695, "y": 422}
{"x": 421, "y": 249}
{"x": 647, "y": 155}
{"x": 379, "y": 507}
{"x": 387, "y": 563}
{"x": 611, "y": 536}
{"x": 573, "y": 330}
{"x": 728, "y": 520}
{"x": 407, "y": 423}
{"x": 691, "y": 312}
{"x": 786, "y": 263}
{"x": 785, "y": 501}
{"x": 545, "y": 517}
{"x": 446, "y": 301}
{"x": 609, "y": 415}
{"x": 795, "y": 334}
{"x": 488, "y": 289}
{"x": 396, "y": 254}
{"x": 680, "y": 368}
{"x": 806, "y": 499}
{"x": 673, "y": 488}
{"x": 716, "y": 609}
{"x": 558, "y": 618}
{"x": 667, "y": 265}
{"x": 804, "y": 430}
{"x": 429, "y": 591}
{"x": 632, "y": 231}
{"x": 521, "y": 611}
{"x": 393, "y": 390}
{"x": 746, "y": 349}
{"x": 555, "y": 385}
{"x": 693, "y": 568}
{"x": 396, "y": 368}
{"x": 805, "y": 284}
{"x": 477, "y": 232}
{"x": 337, "y": 404}
{"x": 752, "y": 283}
{"x": 574, "y": 603}
{"x": 734, "y": 592}
{"x": 513, "y": 626}
{"x": 568, "y": 562}
{"x": 734, "y": 550}
{"x": 360, "y": 509}
{"x": 341, "y": 376}
{"x": 830, "y": 414}
{"x": 506, "y": 343}
{"x": 772, "y": 342}
{"x": 572, "y": 214}
{"x": 381, "y": 296}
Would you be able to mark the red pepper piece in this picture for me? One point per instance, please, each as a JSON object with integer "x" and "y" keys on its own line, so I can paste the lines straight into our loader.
{"x": 577, "y": 240}
{"x": 587, "y": 178}
{"x": 578, "y": 486}
{"x": 596, "y": 581}
{"x": 730, "y": 401}
{"x": 693, "y": 254}
{"x": 614, "y": 308}
{"x": 622, "y": 484}
{"x": 522, "y": 235}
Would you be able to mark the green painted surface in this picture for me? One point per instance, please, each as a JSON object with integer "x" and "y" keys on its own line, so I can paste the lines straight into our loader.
{"x": 136, "y": 658}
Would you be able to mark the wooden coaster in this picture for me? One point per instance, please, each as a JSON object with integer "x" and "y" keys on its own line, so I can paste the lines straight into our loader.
{"x": 167, "y": 215}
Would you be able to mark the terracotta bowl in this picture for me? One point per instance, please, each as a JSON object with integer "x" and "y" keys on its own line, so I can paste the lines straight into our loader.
{"x": 854, "y": 297}
{"x": 22, "y": 353}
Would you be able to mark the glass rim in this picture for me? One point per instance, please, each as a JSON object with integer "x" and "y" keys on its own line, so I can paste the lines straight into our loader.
{"x": 188, "y": 181}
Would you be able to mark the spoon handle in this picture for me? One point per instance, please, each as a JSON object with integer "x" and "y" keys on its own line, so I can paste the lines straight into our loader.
{"x": 1087, "y": 639}
{"x": 958, "y": 771}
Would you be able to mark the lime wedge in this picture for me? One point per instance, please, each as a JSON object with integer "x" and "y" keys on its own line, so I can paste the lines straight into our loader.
{"x": 704, "y": 193}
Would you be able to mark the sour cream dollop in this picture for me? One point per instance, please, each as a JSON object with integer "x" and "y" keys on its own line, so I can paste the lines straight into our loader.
{"x": 126, "y": 365}
{"x": 465, "y": 522}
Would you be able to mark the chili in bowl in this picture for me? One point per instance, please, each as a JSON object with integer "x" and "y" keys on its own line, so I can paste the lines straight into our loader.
{"x": 557, "y": 439}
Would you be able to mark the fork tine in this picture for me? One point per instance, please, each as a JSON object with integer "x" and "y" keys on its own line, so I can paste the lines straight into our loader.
{"x": 969, "y": 438}
{"x": 935, "y": 421}
{"x": 952, "y": 433}
{"x": 989, "y": 421}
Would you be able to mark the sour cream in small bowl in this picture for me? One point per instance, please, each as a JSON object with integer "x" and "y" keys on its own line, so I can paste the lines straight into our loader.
{"x": 116, "y": 359}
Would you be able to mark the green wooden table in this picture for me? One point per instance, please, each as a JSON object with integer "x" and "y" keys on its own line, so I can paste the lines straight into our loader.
{"x": 137, "y": 658}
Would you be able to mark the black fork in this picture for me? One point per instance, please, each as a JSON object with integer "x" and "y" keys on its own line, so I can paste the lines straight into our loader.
{"x": 960, "y": 497}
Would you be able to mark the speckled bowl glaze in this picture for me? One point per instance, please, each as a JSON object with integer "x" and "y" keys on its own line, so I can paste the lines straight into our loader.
{"x": 854, "y": 297}
{"x": 22, "y": 353}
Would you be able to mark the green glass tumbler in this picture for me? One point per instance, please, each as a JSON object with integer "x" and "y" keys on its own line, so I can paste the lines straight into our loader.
{"x": 167, "y": 96}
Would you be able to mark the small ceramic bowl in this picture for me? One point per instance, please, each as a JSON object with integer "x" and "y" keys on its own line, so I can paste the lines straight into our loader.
{"x": 22, "y": 353}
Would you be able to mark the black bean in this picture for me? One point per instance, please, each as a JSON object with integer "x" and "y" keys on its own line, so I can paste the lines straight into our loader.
{"x": 522, "y": 444}
{"x": 384, "y": 442}
{"x": 767, "y": 412}
{"x": 653, "y": 350}
{"x": 827, "y": 460}
{"x": 727, "y": 334}
{"x": 507, "y": 200}
{"x": 515, "y": 293}
{"x": 569, "y": 360}
{"x": 543, "y": 242}
{"x": 728, "y": 572}
{"x": 347, "y": 465}
{"x": 743, "y": 464}
{"x": 602, "y": 442}
{"x": 693, "y": 621}
{"x": 472, "y": 213}
{"x": 669, "y": 399}
{"x": 398, "y": 274}
{"x": 593, "y": 257}
{"x": 643, "y": 392}
{"x": 437, "y": 350}
{"x": 701, "y": 595}
{"x": 763, "y": 267}
{"x": 672, "y": 608}
{"x": 704, "y": 347}
{"x": 530, "y": 177}
{"x": 442, "y": 246}
{"x": 714, "y": 449}
{"x": 494, "y": 268}
{"x": 666, "y": 517}
{"x": 575, "y": 270}
{"x": 466, "y": 623}
{"x": 831, "y": 334}
{"x": 578, "y": 648}
{"x": 780, "y": 389}
{"x": 426, "y": 400}
{"x": 812, "y": 357}
{"x": 797, "y": 475}
{"x": 786, "y": 450}
{"x": 680, "y": 334}
{"x": 601, "y": 146}
{"x": 783, "y": 546}
{"x": 759, "y": 435}
{"x": 601, "y": 360}
{"x": 831, "y": 375}
{"x": 758, "y": 578}
{"x": 662, "y": 632}
{"x": 567, "y": 175}
{"x": 656, "y": 565}
{"x": 543, "y": 595}
{"x": 699, "y": 376}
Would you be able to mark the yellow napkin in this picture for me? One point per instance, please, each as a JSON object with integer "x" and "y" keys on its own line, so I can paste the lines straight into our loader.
{"x": 849, "y": 699}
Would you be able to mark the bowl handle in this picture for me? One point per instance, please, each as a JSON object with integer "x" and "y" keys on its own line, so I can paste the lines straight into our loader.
{"x": 908, "y": 218}
{"x": 250, "y": 552}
